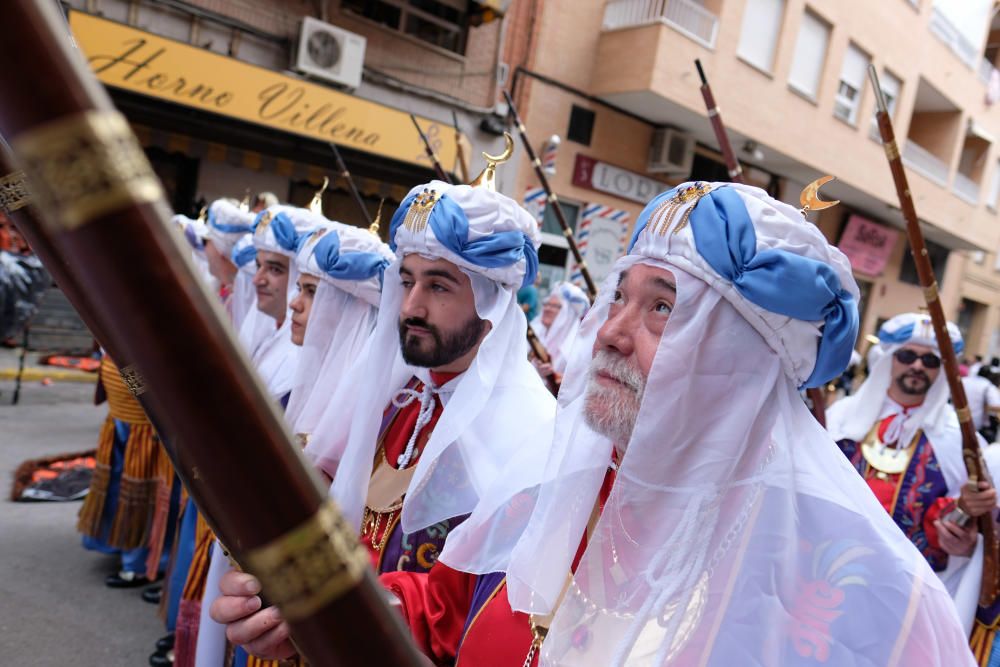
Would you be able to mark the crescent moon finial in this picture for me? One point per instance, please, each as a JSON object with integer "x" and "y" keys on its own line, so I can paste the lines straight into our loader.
{"x": 316, "y": 205}
{"x": 809, "y": 199}
{"x": 487, "y": 179}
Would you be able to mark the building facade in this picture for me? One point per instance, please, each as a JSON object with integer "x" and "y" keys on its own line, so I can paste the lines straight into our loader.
{"x": 238, "y": 96}
{"x": 230, "y": 96}
{"x": 790, "y": 77}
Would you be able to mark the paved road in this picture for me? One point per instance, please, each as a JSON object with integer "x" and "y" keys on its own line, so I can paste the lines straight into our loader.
{"x": 54, "y": 607}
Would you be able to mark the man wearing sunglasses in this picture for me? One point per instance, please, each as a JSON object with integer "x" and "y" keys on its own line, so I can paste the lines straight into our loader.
{"x": 902, "y": 435}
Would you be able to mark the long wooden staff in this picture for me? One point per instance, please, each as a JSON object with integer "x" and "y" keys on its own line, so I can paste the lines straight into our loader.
{"x": 552, "y": 199}
{"x": 735, "y": 171}
{"x": 721, "y": 136}
{"x": 460, "y": 152}
{"x": 970, "y": 443}
{"x": 346, "y": 175}
{"x": 431, "y": 155}
{"x": 106, "y": 216}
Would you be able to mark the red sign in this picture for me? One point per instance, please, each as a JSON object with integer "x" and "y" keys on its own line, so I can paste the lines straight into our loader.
{"x": 868, "y": 245}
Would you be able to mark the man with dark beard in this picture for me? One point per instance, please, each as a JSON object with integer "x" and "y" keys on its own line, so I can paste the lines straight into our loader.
{"x": 902, "y": 435}
{"x": 441, "y": 400}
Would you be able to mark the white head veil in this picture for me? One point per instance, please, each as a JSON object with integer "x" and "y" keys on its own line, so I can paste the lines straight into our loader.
{"x": 736, "y": 533}
{"x": 227, "y": 224}
{"x": 195, "y": 232}
{"x": 277, "y": 229}
{"x": 349, "y": 263}
{"x": 559, "y": 336}
{"x": 244, "y": 298}
{"x": 493, "y": 409}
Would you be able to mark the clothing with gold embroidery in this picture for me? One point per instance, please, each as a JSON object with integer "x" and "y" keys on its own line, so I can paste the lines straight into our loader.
{"x": 915, "y": 497}
{"x": 389, "y": 547}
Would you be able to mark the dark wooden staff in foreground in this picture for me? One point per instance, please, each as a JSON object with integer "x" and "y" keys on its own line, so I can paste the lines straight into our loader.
{"x": 104, "y": 211}
{"x": 735, "y": 171}
{"x": 970, "y": 443}
{"x": 552, "y": 199}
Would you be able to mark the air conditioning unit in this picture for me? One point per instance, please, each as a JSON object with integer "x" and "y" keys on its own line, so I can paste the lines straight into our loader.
{"x": 330, "y": 53}
{"x": 671, "y": 152}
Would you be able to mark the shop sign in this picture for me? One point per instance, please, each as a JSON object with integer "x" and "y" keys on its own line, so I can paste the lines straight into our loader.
{"x": 603, "y": 177}
{"x": 868, "y": 245}
{"x": 138, "y": 61}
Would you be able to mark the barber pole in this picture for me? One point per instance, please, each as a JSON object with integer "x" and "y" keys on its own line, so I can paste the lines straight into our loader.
{"x": 549, "y": 153}
{"x": 535, "y": 201}
{"x": 607, "y": 218}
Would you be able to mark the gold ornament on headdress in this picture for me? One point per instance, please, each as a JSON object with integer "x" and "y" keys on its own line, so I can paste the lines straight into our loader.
{"x": 203, "y": 214}
{"x": 245, "y": 204}
{"x": 373, "y": 228}
{"x": 316, "y": 236}
{"x": 663, "y": 215}
{"x": 487, "y": 179}
{"x": 809, "y": 199}
{"x": 265, "y": 220}
{"x": 420, "y": 211}
{"x": 316, "y": 205}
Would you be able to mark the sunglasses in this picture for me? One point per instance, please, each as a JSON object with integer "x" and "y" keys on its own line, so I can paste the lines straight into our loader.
{"x": 928, "y": 359}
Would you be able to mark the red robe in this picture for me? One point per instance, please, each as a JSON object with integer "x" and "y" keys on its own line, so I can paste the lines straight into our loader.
{"x": 439, "y": 609}
{"x": 395, "y": 439}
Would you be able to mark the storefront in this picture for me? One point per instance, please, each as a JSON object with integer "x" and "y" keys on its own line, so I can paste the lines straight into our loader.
{"x": 216, "y": 126}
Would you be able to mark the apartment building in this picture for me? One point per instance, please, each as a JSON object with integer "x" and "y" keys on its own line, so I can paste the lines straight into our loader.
{"x": 235, "y": 96}
{"x": 616, "y": 80}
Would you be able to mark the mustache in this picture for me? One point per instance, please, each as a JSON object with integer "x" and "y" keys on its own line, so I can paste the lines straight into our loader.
{"x": 917, "y": 374}
{"x": 419, "y": 322}
{"x": 618, "y": 368}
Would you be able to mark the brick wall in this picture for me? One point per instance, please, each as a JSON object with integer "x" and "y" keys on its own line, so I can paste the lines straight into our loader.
{"x": 469, "y": 78}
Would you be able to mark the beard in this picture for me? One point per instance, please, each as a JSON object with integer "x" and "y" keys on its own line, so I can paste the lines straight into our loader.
{"x": 442, "y": 348}
{"x": 612, "y": 411}
{"x": 913, "y": 383}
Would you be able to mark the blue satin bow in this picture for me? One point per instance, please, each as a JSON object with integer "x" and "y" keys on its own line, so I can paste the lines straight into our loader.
{"x": 903, "y": 334}
{"x": 285, "y": 234}
{"x": 244, "y": 255}
{"x": 347, "y": 265}
{"x": 451, "y": 228}
{"x": 226, "y": 228}
{"x": 776, "y": 280}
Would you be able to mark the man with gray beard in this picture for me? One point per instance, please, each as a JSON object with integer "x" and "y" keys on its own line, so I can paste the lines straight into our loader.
{"x": 690, "y": 510}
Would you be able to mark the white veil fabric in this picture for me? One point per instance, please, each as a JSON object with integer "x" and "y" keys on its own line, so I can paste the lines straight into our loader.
{"x": 496, "y": 408}
{"x": 558, "y": 338}
{"x": 277, "y": 229}
{"x": 243, "y": 300}
{"x": 736, "y": 533}
{"x": 341, "y": 319}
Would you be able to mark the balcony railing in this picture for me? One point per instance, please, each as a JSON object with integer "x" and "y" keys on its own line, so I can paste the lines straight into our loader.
{"x": 687, "y": 17}
{"x": 946, "y": 31}
{"x": 966, "y": 188}
{"x": 922, "y": 161}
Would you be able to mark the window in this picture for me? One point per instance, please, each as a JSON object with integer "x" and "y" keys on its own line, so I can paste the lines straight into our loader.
{"x": 994, "y": 196}
{"x": 759, "y": 32}
{"x": 938, "y": 254}
{"x": 443, "y": 23}
{"x": 550, "y": 223}
{"x": 852, "y": 81}
{"x": 581, "y": 125}
{"x": 891, "y": 88}
{"x": 810, "y": 54}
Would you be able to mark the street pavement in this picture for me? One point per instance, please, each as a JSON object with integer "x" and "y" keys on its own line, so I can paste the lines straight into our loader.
{"x": 54, "y": 607}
